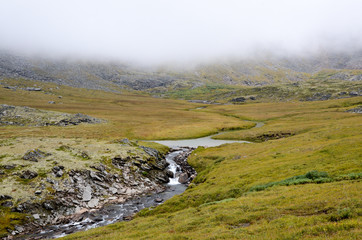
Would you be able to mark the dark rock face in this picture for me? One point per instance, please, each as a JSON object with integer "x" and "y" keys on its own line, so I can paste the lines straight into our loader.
{"x": 34, "y": 155}
{"x": 169, "y": 174}
{"x": 238, "y": 99}
{"x": 188, "y": 173}
{"x": 5, "y": 197}
{"x": 154, "y": 167}
{"x": 27, "y": 174}
{"x": 9, "y": 166}
{"x": 354, "y": 93}
{"x": 119, "y": 162}
{"x": 7, "y": 204}
{"x": 319, "y": 97}
{"x": 77, "y": 119}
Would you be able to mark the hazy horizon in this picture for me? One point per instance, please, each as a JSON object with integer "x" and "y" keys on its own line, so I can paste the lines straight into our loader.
{"x": 163, "y": 32}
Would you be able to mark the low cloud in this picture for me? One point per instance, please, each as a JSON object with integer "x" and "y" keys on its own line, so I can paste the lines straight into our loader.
{"x": 162, "y": 31}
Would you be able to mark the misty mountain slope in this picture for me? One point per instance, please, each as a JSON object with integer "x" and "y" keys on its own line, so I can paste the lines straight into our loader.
{"x": 100, "y": 76}
{"x": 273, "y": 69}
{"x": 259, "y": 71}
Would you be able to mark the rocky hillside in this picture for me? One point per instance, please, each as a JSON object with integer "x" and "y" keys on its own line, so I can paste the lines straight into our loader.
{"x": 47, "y": 179}
{"x": 257, "y": 71}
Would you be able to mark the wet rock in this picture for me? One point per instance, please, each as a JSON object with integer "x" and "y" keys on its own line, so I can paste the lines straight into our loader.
{"x": 181, "y": 160}
{"x": 7, "y": 204}
{"x": 158, "y": 200}
{"x": 160, "y": 164}
{"x": 98, "y": 218}
{"x": 34, "y": 155}
{"x": 160, "y": 176}
{"x": 69, "y": 231}
{"x": 183, "y": 178}
{"x": 27, "y": 174}
{"x": 169, "y": 174}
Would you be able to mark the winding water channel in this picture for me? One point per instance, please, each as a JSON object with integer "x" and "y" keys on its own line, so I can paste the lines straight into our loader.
{"x": 203, "y": 141}
{"x": 112, "y": 213}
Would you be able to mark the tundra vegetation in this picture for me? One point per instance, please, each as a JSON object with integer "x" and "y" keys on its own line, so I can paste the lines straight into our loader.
{"x": 300, "y": 179}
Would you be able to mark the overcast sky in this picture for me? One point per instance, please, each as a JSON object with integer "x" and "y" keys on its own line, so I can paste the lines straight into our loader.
{"x": 154, "y": 31}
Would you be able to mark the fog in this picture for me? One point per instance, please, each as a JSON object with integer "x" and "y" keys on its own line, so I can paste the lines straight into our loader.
{"x": 166, "y": 31}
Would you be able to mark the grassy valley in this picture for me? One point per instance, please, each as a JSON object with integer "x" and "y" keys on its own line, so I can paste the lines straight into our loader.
{"x": 306, "y": 185}
{"x": 300, "y": 178}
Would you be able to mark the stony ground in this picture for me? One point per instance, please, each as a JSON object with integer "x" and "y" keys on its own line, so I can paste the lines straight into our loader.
{"x": 50, "y": 177}
{"x": 26, "y": 116}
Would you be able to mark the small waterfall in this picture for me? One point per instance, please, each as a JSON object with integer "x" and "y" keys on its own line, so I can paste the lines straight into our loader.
{"x": 173, "y": 167}
{"x": 111, "y": 213}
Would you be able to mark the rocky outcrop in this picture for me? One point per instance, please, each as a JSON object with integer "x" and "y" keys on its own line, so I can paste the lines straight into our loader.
{"x": 34, "y": 155}
{"x": 27, "y": 174}
{"x": 74, "y": 189}
{"x": 26, "y": 116}
{"x": 356, "y": 109}
{"x": 238, "y": 100}
{"x": 68, "y": 196}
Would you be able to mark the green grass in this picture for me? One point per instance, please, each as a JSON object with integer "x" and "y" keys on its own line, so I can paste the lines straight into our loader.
{"x": 310, "y": 177}
{"x": 128, "y": 115}
{"x": 9, "y": 219}
{"x": 305, "y": 186}
{"x": 322, "y": 147}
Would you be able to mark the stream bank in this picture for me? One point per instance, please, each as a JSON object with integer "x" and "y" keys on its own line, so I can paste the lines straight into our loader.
{"x": 120, "y": 209}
